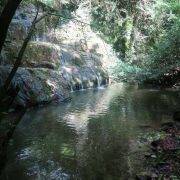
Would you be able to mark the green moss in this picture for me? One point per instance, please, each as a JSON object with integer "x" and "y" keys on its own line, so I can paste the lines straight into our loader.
{"x": 36, "y": 54}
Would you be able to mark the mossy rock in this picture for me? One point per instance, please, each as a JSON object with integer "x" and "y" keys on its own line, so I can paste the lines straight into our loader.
{"x": 37, "y": 85}
{"x": 37, "y": 54}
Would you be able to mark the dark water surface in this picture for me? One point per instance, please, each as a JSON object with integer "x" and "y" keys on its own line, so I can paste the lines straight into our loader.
{"x": 93, "y": 137}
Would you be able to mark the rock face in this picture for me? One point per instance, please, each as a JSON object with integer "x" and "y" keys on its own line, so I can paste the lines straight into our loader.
{"x": 70, "y": 58}
{"x": 37, "y": 54}
{"x": 37, "y": 86}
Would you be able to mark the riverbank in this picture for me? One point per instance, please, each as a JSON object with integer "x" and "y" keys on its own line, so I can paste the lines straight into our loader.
{"x": 169, "y": 80}
{"x": 162, "y": 155}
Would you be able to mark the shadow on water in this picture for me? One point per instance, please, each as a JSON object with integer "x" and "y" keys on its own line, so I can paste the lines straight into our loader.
{"x": 92, "y": 137}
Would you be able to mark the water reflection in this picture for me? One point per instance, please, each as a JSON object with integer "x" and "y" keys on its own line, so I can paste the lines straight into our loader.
{"x": 92, "y": 137}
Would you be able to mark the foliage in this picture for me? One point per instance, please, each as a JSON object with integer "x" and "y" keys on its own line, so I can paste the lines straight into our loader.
{"x": 129, "y": 73}
{"x": 165, "y": 53}
{"x": 59, "y": 12}
{"x": 113, "y": 19}
{"x": 2, "y": 3}
{"x": 145, "y": 35}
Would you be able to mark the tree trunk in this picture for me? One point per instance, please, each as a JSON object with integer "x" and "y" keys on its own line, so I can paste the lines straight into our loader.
{"x": 5, "y": 19}
{"x": 18, "y": 60}
{"x": 21, "y": 52}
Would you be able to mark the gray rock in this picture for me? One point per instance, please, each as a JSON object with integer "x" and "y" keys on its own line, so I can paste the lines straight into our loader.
{"x": 37, "y": 85}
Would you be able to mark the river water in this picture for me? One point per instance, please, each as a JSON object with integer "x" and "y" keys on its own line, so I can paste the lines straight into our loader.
{"x": 92, "y": 137}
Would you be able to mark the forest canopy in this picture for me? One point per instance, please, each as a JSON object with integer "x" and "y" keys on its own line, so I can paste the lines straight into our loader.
{"x": 145, "y": 34}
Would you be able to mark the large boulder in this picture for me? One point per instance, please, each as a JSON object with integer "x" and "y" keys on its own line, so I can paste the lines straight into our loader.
{"x": 37, "y": 85}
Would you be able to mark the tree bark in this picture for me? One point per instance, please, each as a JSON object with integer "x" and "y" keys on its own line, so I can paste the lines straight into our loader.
{"x": 5, "y": 19}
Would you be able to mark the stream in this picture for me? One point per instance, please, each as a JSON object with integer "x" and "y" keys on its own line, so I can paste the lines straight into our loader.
{"x": 92, "y": 137}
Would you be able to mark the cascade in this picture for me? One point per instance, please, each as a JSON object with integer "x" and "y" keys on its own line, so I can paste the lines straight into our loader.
{"x": 107, "y": 81}
{"x": 82, "y": 87}
{"x": 63, "y": 61}
{"x": 37, "y": 38}
{"x": 70, "y": 82}
{"x": 71, "y": 87}
{"x": 89, "y": 57}
{"x": 98, "y": 82}
{"x": 41, "y": 38}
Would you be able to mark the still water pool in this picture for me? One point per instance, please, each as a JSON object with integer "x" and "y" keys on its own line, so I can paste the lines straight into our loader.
{"x": 92, "y": 137}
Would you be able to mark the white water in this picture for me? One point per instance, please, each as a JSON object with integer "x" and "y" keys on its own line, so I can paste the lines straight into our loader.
{"x": 97, "y": 77}
{"x": 71, "y": 88}
{"x": 82, "y": 87}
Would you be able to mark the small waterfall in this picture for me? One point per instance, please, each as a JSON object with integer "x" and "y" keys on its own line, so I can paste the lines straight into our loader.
{"x": 82, "y": 87}
{"x": 41, "y": 38}
{"x": 71, "y": 87}
{"x": 37, "y": 38}
{"x": 97, "y": 77}
{"x": 26, "y": 29}
{"x": 107, "y": 81}
{"x": 70, "y": 82}
{"x": 98, "y": 82}
{"x": 62, "y": 59}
